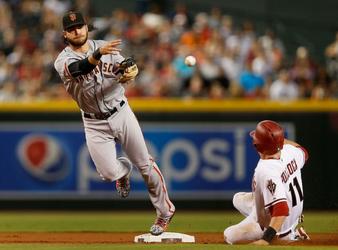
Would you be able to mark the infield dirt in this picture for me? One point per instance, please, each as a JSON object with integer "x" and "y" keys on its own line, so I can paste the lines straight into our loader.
{"x": 328, "y": 239}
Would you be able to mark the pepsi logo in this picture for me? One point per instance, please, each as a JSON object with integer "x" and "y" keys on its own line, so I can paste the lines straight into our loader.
{"x": 43, "y": 157}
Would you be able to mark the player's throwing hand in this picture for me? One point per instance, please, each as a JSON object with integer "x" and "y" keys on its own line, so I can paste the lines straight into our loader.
{"x": 111, "y": 47}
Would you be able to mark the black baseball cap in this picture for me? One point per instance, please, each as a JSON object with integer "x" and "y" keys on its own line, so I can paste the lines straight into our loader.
{"x": 71, "y": 19}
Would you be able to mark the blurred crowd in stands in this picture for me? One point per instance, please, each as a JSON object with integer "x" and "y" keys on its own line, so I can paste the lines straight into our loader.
{"x": 233, "y": 60}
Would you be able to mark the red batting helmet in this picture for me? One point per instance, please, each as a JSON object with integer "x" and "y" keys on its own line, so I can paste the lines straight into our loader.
{"x": 268, "y": 137}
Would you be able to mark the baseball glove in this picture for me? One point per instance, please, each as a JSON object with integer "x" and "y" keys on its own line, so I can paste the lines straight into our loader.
{"x": 128, "y": 70}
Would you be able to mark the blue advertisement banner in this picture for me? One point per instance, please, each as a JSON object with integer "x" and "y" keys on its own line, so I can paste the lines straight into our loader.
{"x": 198, "y": 160}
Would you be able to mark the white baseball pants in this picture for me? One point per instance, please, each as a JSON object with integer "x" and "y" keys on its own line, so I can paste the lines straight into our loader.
{"x": 248, "y": 229}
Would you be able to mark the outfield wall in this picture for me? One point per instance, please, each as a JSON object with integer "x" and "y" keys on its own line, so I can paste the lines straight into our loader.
{"x": 203, "y": 148}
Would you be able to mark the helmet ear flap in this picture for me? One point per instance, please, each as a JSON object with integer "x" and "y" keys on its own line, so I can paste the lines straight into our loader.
{"x": 255, "y": 141}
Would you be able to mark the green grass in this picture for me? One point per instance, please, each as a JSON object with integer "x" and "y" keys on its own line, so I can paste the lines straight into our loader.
{"x": 112, "y": 221}
{"x": 131, "y": 221}
{"x": 140, "y": 221}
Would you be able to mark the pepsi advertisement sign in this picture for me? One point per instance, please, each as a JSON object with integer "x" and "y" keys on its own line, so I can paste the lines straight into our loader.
{"x": 198, "y": 160}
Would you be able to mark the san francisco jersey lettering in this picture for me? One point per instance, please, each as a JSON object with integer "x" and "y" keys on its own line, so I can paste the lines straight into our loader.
{"x": 97, "y": 91}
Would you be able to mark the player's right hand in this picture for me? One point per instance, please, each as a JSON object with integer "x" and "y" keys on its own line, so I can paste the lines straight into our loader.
{"x": 111, "y": 47}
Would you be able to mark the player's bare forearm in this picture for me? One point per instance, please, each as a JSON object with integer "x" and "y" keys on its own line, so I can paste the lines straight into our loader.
{"x": 277, "y": 222}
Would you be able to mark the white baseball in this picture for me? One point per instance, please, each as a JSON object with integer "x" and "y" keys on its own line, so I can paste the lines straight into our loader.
{"x": 190, "y": 61}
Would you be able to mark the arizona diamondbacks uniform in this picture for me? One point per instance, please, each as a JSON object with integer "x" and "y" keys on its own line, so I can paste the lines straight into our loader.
{"x": 279, "y": 181}
{"x": 107, "y": 117}
{"x": 274, "y": 181}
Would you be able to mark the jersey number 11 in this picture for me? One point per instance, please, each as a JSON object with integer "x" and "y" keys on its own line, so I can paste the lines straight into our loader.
{"x": 293, "y": 193}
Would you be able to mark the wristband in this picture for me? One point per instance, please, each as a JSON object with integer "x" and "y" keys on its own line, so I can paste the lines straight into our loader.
{"x": 97, "y": 55}
{"x": 269, "y": 234}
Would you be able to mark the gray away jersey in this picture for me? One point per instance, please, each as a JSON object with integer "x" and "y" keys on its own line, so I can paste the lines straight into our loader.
{"x": 99, "y": 90}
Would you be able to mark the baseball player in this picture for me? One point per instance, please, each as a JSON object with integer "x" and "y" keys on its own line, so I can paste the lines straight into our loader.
{"x": 93, "y": 73}
{"x": 274, "y": 207}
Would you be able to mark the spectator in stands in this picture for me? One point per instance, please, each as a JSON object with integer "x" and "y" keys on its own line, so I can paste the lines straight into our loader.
{"x": 247, "y": 37}
{"x": 230, "y": 65}
{"x": 261, "y": 65}
{"x": 216, "y": 91}
{"x": 195, "y": 88}
{"x": 334, "y": 90}
{"x": 6, "y": 70}
{"x": 331, "y": 54}
{"x": 211, "y": 71}
{"x": 322, "y": 85}
{"x": 30, "y": 29}
{"x": 8, "y": 92}
{"x": 251, "y": 84}
{"x": 273, "y": 49}
{"x": 283, "y": 89}
{"x": 183, "y": 72}
{"x": 146, "y": 80}
{"x": 303, "y": 71}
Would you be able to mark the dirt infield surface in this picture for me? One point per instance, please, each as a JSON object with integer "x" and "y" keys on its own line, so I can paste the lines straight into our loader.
{"x": 103, "y": 237}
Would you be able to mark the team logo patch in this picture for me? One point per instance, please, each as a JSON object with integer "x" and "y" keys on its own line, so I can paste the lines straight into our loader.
{"x": 43, "y": 157}
{"x": 271, "y": 187}
{"x": 72, "y": 17}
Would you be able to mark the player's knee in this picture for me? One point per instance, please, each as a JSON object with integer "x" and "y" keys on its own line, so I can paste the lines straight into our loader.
{"x": 237, "y": 200}
{"x": 235, "y": 234}
{"x": 108, "y": 175}
{"x": 116, "y": 171}
{"x": 228, "y": 235}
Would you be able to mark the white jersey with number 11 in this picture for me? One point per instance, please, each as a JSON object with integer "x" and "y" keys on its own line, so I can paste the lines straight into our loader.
{"x": 279, "y": 181}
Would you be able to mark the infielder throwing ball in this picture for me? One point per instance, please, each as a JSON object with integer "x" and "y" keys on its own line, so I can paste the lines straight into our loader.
{"x": 93, "y": 73}
{"x": 275, "y": 206}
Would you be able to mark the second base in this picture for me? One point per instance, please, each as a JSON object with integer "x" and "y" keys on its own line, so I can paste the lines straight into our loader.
{"x": 166, "y": 237}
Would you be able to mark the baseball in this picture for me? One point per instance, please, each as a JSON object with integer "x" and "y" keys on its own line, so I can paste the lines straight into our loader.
{"x": 190, "y": 61}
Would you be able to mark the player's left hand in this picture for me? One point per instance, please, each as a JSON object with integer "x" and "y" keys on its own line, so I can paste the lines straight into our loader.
{"x": 260, "y": 242}
{"x": 129, "y": 74}
{"x": 128, "y": 70}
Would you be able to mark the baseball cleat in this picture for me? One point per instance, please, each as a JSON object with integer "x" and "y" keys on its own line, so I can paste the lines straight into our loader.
{"x": 301, "y": 234}
{"x": 161, "y": 224}
{"x": 123, "y": 184}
